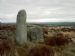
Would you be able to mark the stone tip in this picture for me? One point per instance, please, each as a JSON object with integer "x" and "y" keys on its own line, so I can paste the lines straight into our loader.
{"x": 22, "y": 11}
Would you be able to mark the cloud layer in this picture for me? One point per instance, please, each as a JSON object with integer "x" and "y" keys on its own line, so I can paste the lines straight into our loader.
{"x": 38, "y": 9}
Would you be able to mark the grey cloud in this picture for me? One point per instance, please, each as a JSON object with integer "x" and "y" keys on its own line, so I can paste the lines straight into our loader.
{"x": 38, "y": 9}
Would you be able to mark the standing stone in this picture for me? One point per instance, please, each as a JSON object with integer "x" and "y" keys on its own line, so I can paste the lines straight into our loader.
{"x": 35, "y": 34}
{"x": 21, "y": 28}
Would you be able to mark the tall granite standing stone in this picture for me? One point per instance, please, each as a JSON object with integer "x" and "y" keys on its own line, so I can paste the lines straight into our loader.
{"x": 21, "y": 28}
{"x": 35, "y": 34}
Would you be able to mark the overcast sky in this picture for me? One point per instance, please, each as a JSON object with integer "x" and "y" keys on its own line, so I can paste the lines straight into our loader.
{"x": 38, "y": 10}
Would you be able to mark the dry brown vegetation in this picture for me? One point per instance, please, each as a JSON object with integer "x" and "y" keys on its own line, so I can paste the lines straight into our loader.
{"x": 7, "y": 46}
{"x": 57, "y": 40}
{"x": 54, "y": 40}
{"x": 32, "y": 49}
{"x": 7, "y": 27}
{"x": 41, "y": 50}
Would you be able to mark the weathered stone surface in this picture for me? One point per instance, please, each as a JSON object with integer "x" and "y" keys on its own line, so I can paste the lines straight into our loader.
{"x": 21, "y": 28}
{"x": 35, "y": 34}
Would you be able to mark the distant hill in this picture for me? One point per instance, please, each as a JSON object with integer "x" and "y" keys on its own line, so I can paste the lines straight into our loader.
{"x": 55, "y": 24}
{"x": 46, "y": 24}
